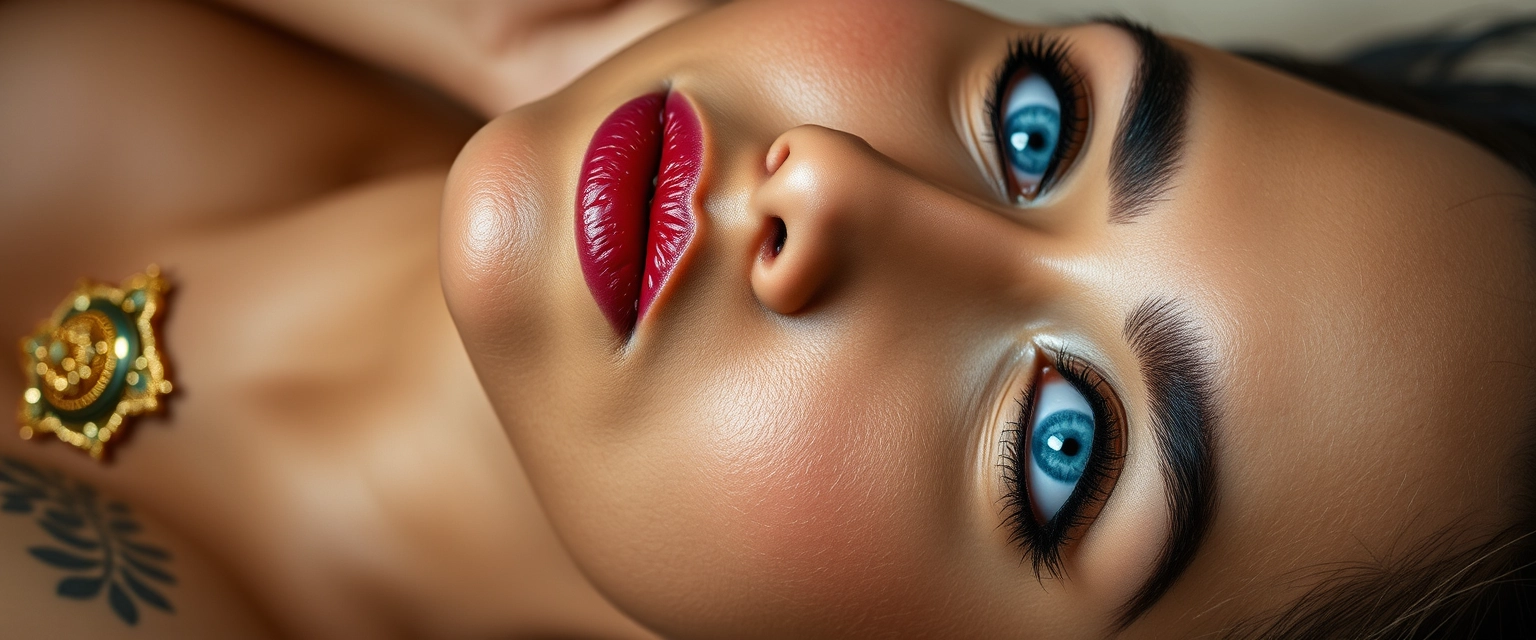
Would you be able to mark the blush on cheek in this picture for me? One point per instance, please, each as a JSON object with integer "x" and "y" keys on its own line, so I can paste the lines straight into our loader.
{"x": 825, "y": 518}
{"x": 858, "y": 38}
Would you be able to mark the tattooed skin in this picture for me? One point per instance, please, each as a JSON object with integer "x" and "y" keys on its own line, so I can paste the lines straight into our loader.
{"x": 95, "y": 540}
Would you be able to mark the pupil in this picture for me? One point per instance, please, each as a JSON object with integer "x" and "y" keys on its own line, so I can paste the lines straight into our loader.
{"x": 1037, "y": 141}
{"x": 1069, "y": 447}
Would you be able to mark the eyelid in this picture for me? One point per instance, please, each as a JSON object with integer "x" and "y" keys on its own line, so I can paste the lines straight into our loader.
{"x": 1050, "y": 57}
{"x": 1043, "y": 543}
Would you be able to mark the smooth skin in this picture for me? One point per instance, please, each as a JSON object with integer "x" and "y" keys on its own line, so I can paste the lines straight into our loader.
{"x": 328, "y": 467}
{"x": 808, "y": 444}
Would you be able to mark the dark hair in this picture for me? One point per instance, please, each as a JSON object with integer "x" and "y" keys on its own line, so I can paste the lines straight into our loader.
{"x": 1456, "y": 583}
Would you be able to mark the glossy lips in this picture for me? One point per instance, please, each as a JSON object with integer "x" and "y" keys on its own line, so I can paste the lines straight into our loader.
{"x": 629, "y": 233}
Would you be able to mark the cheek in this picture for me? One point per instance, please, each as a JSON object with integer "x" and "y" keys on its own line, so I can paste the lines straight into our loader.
{"x": 815, "y": 492}
{"x": 824, "y": 498}
{"x": 774, "y": 494}
{"x": 855, "y": 37}
{"x": 845, "y": 64}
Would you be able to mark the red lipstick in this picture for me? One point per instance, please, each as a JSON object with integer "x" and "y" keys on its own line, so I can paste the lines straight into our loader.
{"x": 634, "y": 203}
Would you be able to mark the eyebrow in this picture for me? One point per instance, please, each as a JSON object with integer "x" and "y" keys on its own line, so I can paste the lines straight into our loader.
{"x": 1146, "y": 152}
{"x": 1178, "y": 375}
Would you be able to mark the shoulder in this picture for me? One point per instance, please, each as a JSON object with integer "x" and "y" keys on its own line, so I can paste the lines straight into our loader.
{"x": 146, "y": 118}
{"x": 77, "y": 562}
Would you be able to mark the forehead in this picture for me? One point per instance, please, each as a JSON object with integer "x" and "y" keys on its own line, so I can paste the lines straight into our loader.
{"x": 1360, "y": 272}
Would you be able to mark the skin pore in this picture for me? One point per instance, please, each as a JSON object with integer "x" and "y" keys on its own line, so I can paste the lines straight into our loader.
{"x": 810, "y": 443}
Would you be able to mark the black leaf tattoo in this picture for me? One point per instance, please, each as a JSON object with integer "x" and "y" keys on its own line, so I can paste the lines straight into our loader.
{"x": 95, "y": 542}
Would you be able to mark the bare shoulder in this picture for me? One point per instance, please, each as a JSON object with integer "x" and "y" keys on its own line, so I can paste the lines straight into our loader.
{"x": 138, "y": 117}
{"x": 78, "y": 562}
{"x": 328, "y": 458}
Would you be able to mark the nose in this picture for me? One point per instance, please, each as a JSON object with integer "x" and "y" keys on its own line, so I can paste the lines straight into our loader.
{"x": 806, "y": 210}
{"x": 833, "y": 208}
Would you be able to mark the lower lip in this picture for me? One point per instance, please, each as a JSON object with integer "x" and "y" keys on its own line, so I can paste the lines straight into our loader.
{"x": 629, "y": 234}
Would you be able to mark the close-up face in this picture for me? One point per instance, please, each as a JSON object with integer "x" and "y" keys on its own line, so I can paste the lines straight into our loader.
{"x": 938, "y": 324}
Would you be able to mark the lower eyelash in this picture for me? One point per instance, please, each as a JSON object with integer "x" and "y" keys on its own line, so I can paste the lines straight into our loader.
{"x": 1043, "y": 543}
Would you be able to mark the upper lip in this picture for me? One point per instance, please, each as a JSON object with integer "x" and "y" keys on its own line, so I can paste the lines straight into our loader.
{"x": 634, "y": 206}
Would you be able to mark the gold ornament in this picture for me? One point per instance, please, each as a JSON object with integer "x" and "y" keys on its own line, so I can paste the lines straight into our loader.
{"x": 95, "y": 363}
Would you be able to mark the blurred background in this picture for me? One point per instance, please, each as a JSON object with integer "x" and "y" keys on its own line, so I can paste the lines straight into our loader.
{"x": 1312, "y": 26}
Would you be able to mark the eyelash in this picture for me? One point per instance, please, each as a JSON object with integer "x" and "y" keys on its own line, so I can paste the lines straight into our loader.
{"x": 1043, "y": 542}
{"x": 1047, "y": 57}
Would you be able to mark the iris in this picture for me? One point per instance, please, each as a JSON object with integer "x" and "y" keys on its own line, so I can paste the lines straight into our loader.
{"x": 1061, "y": 443}
{"x": 1032, "y": 134}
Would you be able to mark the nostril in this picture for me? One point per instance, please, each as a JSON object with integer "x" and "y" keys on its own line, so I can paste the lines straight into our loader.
{"x": 774, "y": 245}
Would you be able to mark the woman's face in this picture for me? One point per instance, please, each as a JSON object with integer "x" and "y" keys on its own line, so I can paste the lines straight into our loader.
{"x": 930, "y": 369}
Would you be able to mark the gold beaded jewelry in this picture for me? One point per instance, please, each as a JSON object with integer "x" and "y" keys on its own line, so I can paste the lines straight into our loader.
{"x": 95, "y": 363}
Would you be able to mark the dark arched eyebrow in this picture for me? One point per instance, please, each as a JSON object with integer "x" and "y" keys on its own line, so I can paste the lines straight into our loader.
{"x": 1150, "y": 135}
{"x": 1178, "y": 375}
{"x": 1170, "y": 349}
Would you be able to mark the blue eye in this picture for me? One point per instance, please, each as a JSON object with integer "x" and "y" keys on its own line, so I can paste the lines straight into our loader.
{"x": 1060, "y": 443}
{"x": 1033, "y": 133}
{"x": 1030, "y": 132}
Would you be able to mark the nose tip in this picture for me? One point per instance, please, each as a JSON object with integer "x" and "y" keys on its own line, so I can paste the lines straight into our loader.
{"x": 807, "y": 209}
